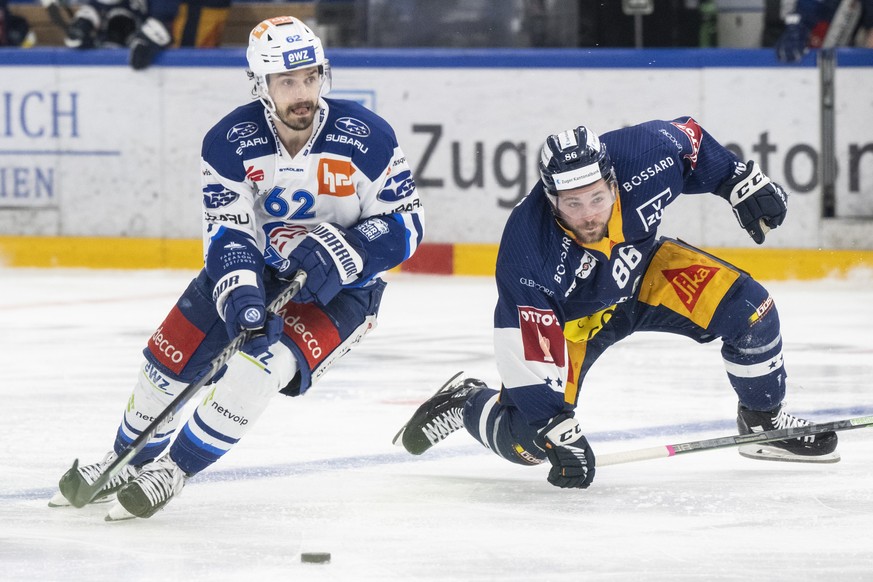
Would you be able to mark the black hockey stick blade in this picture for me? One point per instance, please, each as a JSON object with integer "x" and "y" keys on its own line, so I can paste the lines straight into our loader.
{"x": 81, "y": 493}
{"x": 732, "y": 441}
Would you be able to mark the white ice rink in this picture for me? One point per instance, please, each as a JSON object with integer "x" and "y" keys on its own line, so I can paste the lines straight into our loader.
{"x": 319, "y": 473}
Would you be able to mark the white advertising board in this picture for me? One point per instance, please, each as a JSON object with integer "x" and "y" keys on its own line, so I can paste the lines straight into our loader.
{"x": 106, "y": 151}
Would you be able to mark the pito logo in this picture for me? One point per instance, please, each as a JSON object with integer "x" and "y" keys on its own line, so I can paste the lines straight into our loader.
{"x": 352, "y": 126}
{"x": 242, "y": 131}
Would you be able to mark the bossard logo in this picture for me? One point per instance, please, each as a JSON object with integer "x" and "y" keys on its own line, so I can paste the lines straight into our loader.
{"x": 299, "y": 57}
{"x": 242, "y": 131}
{"x": 690, "y": 282}
{"x": 352, "y": 126}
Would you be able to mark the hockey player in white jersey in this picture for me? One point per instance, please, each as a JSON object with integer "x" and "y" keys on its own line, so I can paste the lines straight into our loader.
{"x": 292, "y": 181}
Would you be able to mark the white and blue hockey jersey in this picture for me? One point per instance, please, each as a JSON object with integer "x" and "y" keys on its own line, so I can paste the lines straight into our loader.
{"x": 351, "y": 170}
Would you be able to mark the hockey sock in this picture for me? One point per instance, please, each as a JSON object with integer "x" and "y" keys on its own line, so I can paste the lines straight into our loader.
{"x": 231, "y": 407}
{"x": 754, "y": 363}
{"x": 151, "y": 395}
{"x": 501, "y": 428}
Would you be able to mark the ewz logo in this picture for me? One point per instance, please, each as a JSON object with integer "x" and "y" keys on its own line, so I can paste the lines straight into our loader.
{"x": 299, "y": 57}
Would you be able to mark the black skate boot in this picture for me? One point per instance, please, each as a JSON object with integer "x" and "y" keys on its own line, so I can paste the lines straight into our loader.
{"x": 70, "y": 480}
{"x": 439, "y": 416}
{"x": 157, "y": 483}
{"x": 819, "y": 448}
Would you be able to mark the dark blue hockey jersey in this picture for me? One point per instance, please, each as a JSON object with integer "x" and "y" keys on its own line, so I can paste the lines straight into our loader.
{"x": 555, "y": 293}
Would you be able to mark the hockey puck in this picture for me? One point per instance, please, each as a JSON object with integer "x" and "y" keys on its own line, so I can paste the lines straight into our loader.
{"x": 315, "y": 557}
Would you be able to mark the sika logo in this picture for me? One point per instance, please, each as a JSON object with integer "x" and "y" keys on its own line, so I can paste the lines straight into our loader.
{"x": 694, "y": 134}
{"x": 690, "y": 282}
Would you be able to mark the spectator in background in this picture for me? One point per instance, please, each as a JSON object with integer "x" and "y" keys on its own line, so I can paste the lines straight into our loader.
{"x": 825, "y": 23}
{"x": 143, "y": 26}
{"x": 14, "y": 30}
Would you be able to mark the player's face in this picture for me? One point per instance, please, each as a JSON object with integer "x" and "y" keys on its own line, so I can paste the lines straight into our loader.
{"x": 586, "y": 210}
{"x": 295, "y": 95}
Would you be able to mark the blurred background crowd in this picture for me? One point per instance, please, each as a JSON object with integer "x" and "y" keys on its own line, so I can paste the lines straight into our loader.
{"x": 146, "y": 27}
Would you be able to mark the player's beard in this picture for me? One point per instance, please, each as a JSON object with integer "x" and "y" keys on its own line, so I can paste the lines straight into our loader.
{"x": 292, "y": 117}
{"x": 591, "y": 232}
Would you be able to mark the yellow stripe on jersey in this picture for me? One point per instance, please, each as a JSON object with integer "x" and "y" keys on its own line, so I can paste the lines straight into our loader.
{"x": 687, "y": 281}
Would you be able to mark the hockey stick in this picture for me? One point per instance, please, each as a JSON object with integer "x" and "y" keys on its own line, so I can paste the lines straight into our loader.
{"x": 82, "y": 493}
{"x": 60, "y": 12}
{"x": 731, "y": 441}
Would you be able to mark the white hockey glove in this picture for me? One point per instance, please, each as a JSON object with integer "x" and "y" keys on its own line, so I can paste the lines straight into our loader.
{"x": 147, "y": 42}
{"x": 759, "y": 203}
{"x": 569, "y": 453}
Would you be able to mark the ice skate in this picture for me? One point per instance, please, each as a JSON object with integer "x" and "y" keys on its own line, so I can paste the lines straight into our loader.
{"x": 89, "y": 474}
{"x": 157, "y": 483}
{"x": 819, "y": 448}
{"x": 439, "y": 416}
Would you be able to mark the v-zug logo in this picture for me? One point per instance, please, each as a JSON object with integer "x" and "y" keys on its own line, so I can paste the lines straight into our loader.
{"x": 352, "y": 126}
{"x": 242, "y": 130}
{"x": 216, "y": 196}
{"x": 296, "y": 58}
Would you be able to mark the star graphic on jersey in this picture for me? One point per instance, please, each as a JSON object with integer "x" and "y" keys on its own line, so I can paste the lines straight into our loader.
{"x": 548, "y": 381}
{"x": 559, "y": 382}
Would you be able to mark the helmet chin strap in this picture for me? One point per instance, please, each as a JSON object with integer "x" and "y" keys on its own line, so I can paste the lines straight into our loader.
{"x": 265, "y": 98}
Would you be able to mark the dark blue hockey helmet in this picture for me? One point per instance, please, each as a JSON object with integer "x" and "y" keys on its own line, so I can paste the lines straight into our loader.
{"x": 572, "y": 159}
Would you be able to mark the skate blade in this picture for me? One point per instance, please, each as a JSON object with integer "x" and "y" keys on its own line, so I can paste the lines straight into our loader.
{"x": 768, "y": 453}
{"x": 118, "y": 513}
{"x": 398, "y": 438}
{"x": 60, "y": 501}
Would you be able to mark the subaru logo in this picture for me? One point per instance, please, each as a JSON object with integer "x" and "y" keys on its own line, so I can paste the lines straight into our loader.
{"x": 352, "y": 126}
{"x": 242, "y": 131}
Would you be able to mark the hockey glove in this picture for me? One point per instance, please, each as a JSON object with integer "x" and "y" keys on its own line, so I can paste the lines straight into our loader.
{"x": 792, "y": 43}
{"x": 82, "y": 31}
{"x": 759, "y": 204}
{"x": 331, "y": 256}
{"x": 569, "y": 453}
{"x": 151, "y": 38}
{"x": 245, "y": 309}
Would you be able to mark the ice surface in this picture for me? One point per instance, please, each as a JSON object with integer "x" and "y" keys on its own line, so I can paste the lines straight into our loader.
{"x": 319, "y": 473}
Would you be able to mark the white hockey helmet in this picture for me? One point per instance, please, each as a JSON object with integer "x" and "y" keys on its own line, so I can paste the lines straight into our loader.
{"x": 282, "y": 44}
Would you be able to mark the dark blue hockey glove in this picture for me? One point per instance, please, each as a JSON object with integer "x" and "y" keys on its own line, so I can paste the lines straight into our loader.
{"x": 331, "y": 256}
{"x": 147, "y": 43}
{"x": 568, "y": 451}
{"x": 759, "y": 203}
{"x": 792, "y": 43}
{"x": 245, "y": 309}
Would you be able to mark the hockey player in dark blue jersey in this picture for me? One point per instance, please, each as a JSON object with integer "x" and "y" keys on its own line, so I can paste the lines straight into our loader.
{"x": 293, "y": 181}
{"x": 581, "y": 266}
